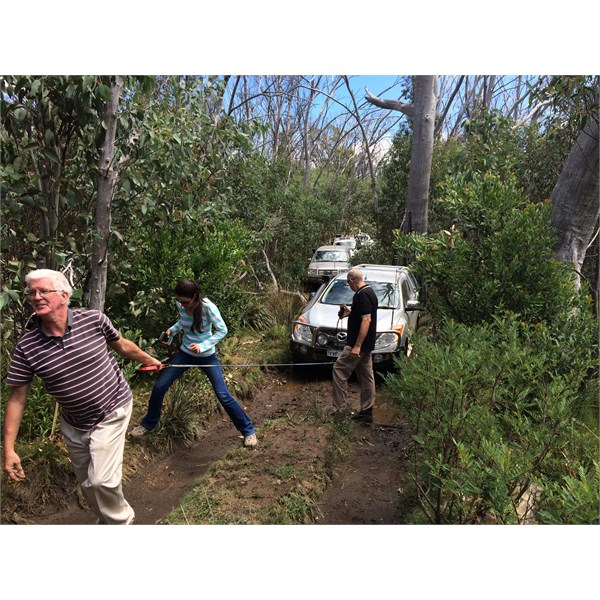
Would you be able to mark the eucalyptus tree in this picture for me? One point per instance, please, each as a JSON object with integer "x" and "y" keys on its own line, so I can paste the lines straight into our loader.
{"x": 173, "y": 210}
{"x": 313, "y": 121}
{"x": 109, "y": 168}
{"x": 462, "y": 96}
{"x": 51, "y": 131}
{"x": 575, "y": 198}
{"x": 422, "y": 114}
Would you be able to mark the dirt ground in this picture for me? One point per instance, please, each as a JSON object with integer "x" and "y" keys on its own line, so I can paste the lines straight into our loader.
{"x": 366, "y": 488}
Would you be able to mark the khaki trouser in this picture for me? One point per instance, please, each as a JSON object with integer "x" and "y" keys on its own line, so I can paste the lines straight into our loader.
{"x": 97, "y": 458}
{"x": 342, "y": 370}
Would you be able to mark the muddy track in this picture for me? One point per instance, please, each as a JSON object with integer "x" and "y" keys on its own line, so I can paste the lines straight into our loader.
{"x": 366, "y": 487}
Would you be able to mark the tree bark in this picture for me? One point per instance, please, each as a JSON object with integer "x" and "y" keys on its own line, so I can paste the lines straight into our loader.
{"x": 108, "y": 174}
{"x": 422, "y": 112}
{"x": 575, "y": 199}
{"x": 417, "y": 196}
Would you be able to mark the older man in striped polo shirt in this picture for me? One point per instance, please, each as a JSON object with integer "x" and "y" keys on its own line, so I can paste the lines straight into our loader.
{"x": 69, "y": 351}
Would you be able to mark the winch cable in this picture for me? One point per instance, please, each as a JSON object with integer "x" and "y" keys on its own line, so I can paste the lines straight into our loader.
{"x": 152, "y": 368}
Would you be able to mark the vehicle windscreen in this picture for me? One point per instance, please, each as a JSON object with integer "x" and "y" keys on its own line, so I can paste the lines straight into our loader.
{"x": 348, "y": 243}
{"x": 330, "y": 256}
{"x": 340, "y": 293}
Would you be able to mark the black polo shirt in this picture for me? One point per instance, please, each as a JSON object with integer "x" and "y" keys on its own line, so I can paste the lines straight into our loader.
{"x": 364, "y": 302}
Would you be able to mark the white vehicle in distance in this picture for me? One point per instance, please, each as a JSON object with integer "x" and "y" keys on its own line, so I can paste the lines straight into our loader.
{"x": 349, "y": 242}
{"x": 363, "y": 239}
{"x": 326, "y": 263}
{"x": 319, "y": 335}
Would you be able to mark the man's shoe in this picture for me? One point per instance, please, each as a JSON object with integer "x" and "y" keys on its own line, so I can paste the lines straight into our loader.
{"x": 364, "y": 416}
{"x": 250, "y": 440}
{"x": 340, "y": 415}
{"x": 138, "y": 431}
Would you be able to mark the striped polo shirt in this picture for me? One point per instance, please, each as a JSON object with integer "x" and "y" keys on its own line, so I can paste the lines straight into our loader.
{"x": 206, "y": 339}
{"x": 78, "y": 369}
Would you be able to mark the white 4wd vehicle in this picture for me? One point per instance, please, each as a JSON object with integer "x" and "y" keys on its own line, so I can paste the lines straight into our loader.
{"x": 319, "y": 335}
{"x": 326, "y": 263}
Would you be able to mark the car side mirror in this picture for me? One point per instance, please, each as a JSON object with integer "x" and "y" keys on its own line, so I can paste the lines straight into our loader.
{"x": 413, "y": 305}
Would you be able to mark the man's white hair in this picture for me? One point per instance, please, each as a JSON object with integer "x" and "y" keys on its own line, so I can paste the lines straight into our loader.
{"x": 355, "y": 274}
{"x": 59, "y": 281}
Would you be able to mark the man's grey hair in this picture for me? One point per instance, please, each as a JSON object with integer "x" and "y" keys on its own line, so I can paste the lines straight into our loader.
{"x": 355, "y": 275}
{"x": 59, "y": 281}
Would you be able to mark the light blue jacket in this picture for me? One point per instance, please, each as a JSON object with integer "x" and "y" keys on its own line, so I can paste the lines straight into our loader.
{"x": 206, "y": 340}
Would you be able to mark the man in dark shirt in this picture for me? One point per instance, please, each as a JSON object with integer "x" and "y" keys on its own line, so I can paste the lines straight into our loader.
{"x": 69, "y": 351}
{"x": 356, "y": 356}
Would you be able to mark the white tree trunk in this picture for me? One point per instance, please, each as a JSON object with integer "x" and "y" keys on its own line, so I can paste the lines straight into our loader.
{"x": 107, "y": 178}
{"x": 422, "y": 112}
{"x": 417, "y": 197}
{"x": 575, "y": 199}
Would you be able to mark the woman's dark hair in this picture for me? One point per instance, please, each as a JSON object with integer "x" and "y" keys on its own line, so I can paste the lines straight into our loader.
{"x": 190, "y": 289}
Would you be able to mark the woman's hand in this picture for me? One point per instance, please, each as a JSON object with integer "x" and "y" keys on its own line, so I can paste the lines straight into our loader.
{"x": 195, "y": 348}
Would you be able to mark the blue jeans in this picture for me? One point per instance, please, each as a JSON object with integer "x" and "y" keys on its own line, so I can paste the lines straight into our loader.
{"x": 212, "y": 368}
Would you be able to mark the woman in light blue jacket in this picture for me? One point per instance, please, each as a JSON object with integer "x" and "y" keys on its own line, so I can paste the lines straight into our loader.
{"x": 203, "y": 327}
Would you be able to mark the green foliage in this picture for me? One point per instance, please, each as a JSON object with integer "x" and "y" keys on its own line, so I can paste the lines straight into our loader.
{"x": 492, "y": 418}
{"x": 544, "y": 151}
{"x": 573, "y": 500}
{"x": 50, "y": 131}
{"x": 39, "y": 412}
{"x": 490, "y": 144}
{"x": 572, "y": 98}
{"x": 213, "y": 254}
{"x": 288, "y": 220}
{"x": 394, "y": 184}
{"x": 494, "y": 254}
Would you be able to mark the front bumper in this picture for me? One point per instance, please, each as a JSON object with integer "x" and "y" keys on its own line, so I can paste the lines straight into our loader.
{"x": 305, "y": 353}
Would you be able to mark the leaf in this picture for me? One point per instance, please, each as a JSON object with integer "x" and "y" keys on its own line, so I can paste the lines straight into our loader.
{"x": 20, "y": 113}
{"x": 50, "y": 154}
{"x": 103, "y": 91}
{"x": 35, "y": 87}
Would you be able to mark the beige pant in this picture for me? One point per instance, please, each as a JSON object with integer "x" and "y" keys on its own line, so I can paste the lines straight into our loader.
{"x": 97, "y": 458}
{"x": 342, "y": 370}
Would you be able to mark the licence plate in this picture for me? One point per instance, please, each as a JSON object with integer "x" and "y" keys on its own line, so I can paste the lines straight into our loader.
{"x": 333, "y": 352}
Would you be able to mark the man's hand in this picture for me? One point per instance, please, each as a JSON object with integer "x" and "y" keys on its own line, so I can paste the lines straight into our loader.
{"x": 13, "y": 467}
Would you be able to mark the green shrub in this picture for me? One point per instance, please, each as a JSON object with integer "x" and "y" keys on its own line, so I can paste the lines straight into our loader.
{"x": 490, "y": 416}
{"x": 494, "y": 254}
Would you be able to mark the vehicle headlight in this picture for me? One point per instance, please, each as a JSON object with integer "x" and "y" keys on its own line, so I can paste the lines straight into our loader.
{"x": 302, "y": 333}
{"x": 387, "y": 339}
{"x": 312, "y": 271}
{"x": 322, "y": 339}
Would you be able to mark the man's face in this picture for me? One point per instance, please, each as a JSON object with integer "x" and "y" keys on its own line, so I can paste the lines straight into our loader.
{"x": 44, "y": 299}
